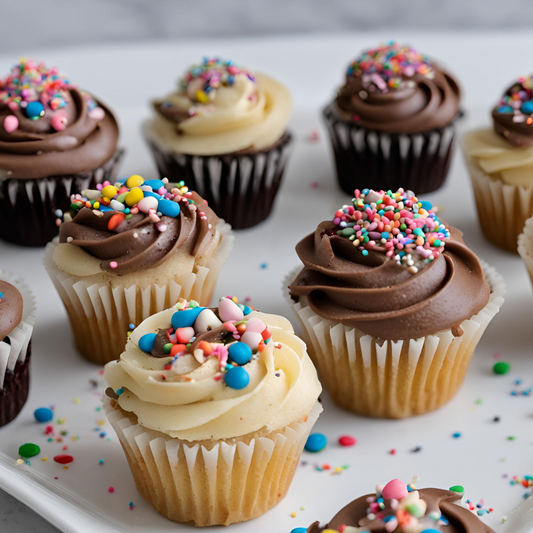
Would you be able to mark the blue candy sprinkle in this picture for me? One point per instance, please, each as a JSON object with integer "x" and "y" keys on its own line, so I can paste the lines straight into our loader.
{"x": 384, "y": 234}
{"x": 426, "y": 205}
{"x": 104, "y": 208}
{"x": 155, "y": 184}
{"x": 247, "y": 310}
{"x": 168, "y": 208}
{"x": 152, "y": 194}
{"x": 146, "y": 342}
{"x": 527, "y": 108}
{"x": 299, "y": 530}
{"x": 43, "y": 414}
{"x": 34, "y": 110}
{"x": 237, "y": 378}
{"x": 431, "y": 531}
{"x": 316, "y": 442}
{"x": 239, "y": 353}
{"x": 185, "y": 318}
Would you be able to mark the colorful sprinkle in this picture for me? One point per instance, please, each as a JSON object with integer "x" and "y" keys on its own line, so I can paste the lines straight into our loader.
{"x": 29, "y": 450}
{"x": 501, "y": 368}
{"x": 316, "y": 442}
{"x": 43, "y": 415}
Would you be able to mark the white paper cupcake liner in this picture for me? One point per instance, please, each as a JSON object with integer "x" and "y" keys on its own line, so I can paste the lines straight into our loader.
{"x": 525, "y": 246}
{"x": 502, "y": 208}
{"x": 211, "y": 483}
{"x": 100, "y": 314}
{"x": 387, "y": 379}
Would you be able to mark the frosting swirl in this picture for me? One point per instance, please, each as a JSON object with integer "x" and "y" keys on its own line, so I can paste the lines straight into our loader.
{"x": 49, "y": 127}
{"x": 394, "y": 271}
{"x": 408, "y": 510}
{"x": 194, "y": 392}
{"x": 135, "y": 225}
{"x": 396, "y": 89}
{"x": 11, "y": 306}
{"x": 221, "y": 109}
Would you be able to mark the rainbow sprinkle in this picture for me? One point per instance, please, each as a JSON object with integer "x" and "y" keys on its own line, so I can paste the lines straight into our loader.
{"x": 388, "y": 65}
{"x": 518, "y": 101}
{"x": 395, "y": 224}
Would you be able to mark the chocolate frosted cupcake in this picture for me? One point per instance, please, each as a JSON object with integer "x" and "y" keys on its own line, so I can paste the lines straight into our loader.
{"x": 17, "y": 316}
{"x": 393, "y": 122}
{"x": 213, "y": 407}
{"x": 401, "y": 508}
{"x": 55, "y": 140}
{"x": 224, "y": 132}
{"x": 393, "y": 304}
{"x": 130, "y": 250}
{"x": 500, "y": 162}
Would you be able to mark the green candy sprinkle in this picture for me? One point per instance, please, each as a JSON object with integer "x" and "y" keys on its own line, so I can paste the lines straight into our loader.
{"x": 167, "y": 347}
{"x": 501, "y": 368}
{"x": 458, "y": 488}
{"x": 29, "y": 450}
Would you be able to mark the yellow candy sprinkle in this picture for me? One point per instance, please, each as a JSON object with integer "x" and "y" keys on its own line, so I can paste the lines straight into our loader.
{"x": 134, "y": 196}
{"x": 96, "y": 205}
{"x": 293, "y": 515}
{"x": 201, "y": 97}
{"x": 76, "y": 400}
{"x": 44, "y": 459}
{"x": 134, "y": 181}
{"x": 20, "y": 461}
{"x": 109, "y": 191}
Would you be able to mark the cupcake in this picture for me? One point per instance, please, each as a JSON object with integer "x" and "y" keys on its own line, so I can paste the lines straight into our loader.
{"x": 392, "y": 303}
{"x": 393, "y": 122}
{"x": 500, "y": 162}
{"x": 402, "y": 508}
{"x": 17, "y": 316}
{"x": 129, "y": 250}
{"x": 213, "y": 407}
{"x": 55, "y": 140}
{"x": 224, "y": 132}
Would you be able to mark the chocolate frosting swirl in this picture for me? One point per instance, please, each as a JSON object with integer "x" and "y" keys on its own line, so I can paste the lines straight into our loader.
{"x": 379, "y": 296}
{"x": 36, "y": 150}
{"x": 414, "y": 102}
{"x": 136, "y": 244}
{"x": 11, "y": 307}
{"x": 443, "y": 501}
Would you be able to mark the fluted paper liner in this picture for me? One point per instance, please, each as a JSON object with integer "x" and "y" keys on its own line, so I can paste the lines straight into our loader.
{"x": 379, "y": 160}
{"x": 502, "y": 208}
{"x": 525, "y": 246}
{"x": 387, "y": 379}
{"x": 216, "y": 483}
{"x": 100, "y": 314}
{"x": 15, "y": 355}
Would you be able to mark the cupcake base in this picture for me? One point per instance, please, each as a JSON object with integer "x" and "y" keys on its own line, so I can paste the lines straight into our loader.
{"x": 367, "y": 159}
{"x": 14, "y": 394}
{"x": 239, "y": 187}
{"x": 100, "y": 313}
{"x": 27, "y": 206}
{"x": 211, "y": 483}
{"x": 502, "y": 208}
{"x": 386, "y": 379}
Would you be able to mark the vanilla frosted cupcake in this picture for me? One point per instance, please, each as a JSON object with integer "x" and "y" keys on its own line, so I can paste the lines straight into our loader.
{"x": 393, "y": 304}
{"x": 402, "y": 508}
{"x": 17, "y": 317}
{"x": 224, "y": 132}
{"x": 129, "y": 250}
{"x": 213, "y": 408}
{"x": 500, "y": 162}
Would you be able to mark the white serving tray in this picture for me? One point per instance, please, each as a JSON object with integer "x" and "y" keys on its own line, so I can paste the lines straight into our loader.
{"x": 126, "y": 77}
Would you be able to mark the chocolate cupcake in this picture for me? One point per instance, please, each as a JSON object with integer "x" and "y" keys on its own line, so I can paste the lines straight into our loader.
{"x": 224, "y": 133}
{"x": 393, "y": 122}
{"x": 500, "y": 162}
{"x": 393, "y": 304}
{"x": 17, "y": 316}
{"x": 55, "y": 140}
{"x": 129, "y": 250}
{"x": 401, "y": 508}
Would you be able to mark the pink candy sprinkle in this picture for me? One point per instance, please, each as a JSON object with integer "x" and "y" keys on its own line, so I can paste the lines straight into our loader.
{"x": 113, "y": 264}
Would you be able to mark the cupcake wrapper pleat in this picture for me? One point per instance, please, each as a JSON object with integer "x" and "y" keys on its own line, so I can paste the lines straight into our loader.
{"x": 502, "y": 208}
{"x": 100, "y": 314}
{"x": 387, "y": 379}
{"x": 15, "y": 352}
{"x": 216, "y": 484}
{"x": 367, "y": 159}
{"x": 240, "y": 188}
{"x": 27, "y": 205}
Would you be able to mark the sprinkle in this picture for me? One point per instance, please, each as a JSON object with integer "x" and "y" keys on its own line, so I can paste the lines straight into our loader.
{"x": 63, "y": 459}
{"x": 113, "y": 264}
{"x": 456, "y": 435}
{"x": 501, "y": 368}
{"x": 347, "y": 440}
{"x": 29, "y": 450}
{"x": 43, "y": 414}
{"x": 111, "y": 490}
{"x": 316, "y": 442}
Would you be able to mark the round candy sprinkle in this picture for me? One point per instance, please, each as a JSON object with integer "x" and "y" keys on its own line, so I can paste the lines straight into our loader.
{"x": 29, "y": 450}
{"x": 147, "y": 341}
{"x": 109, "y": 191}
{"x": 501, "y": 368}
{"x": 316, "y": 442}
{"x": 63, "y": 459}
{"x": 299, "y": 530}
{"x": 186, "y": 317}
{"x": 134, "y": 181}
{"x": 431, "y": 531}
{"x": 395, "y": 489}
{"x": 347, "y": 440}
{"x": 168, "y": 208}
{"x": 59, "y": 122}
{"x": 11, "y": 123}
{"x": 35, "y": 110}
{"x": 239, "y": 353}
{"x": 237, "y": 378}
{"x": 43, "y": 414}
{"x": 134, "y": 196}
{"x": 458, "y": 488}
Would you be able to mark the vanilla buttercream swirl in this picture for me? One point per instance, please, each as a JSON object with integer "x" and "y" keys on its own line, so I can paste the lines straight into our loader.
{"x": 249, "y": 114}
{"x": 195, "y": 405}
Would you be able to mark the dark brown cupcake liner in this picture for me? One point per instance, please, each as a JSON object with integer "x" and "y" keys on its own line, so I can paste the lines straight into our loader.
{"x": 367, "y": 159}
{"x": 15, "y": 390}
{"x": 27, "y": 206}
{"x": 240, "y": 188}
